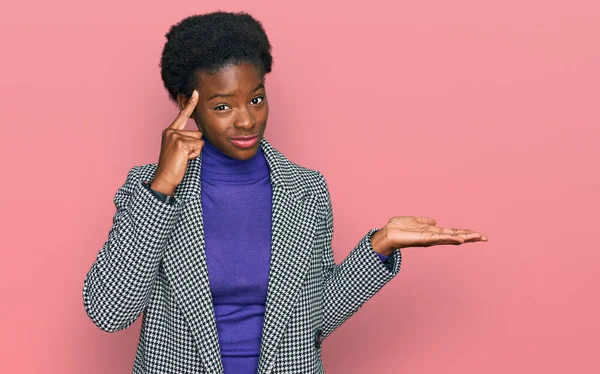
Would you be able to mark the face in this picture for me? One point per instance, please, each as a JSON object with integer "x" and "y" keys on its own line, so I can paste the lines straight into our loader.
{"x": 232, "y": 109}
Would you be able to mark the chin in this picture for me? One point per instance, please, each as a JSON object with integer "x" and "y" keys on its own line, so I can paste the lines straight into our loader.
{"x": 243, "y": 154}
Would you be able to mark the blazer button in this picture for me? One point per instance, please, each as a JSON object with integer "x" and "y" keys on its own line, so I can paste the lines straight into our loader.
{"x": 318, "y": 338}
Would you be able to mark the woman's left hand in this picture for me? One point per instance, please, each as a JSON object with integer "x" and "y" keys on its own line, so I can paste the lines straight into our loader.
{"x": 408, "y": 231}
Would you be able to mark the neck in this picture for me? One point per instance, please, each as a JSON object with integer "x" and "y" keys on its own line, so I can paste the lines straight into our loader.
{"x": 216, "y": 164}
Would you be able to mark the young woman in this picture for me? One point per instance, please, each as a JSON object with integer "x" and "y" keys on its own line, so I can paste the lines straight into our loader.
{"x": 225, "y": 245}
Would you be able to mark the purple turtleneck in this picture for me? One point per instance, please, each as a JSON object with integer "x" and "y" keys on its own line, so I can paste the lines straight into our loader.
{"x": 236, "y": 208}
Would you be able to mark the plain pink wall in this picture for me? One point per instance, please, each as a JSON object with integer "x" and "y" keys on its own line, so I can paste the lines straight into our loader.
{"x": 480, "y": 114}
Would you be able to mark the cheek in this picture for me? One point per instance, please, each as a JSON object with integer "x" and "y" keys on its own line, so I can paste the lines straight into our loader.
{"x": 264, "y": 113}
{"x": 213, "y": 123}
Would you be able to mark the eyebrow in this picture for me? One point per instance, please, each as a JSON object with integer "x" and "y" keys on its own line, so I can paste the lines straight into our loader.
{"x": 229, "y": 94}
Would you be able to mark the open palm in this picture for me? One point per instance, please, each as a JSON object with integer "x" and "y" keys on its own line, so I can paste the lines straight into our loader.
{"x": 409, "y": 231}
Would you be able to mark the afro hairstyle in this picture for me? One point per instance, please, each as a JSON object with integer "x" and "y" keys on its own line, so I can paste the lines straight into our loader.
{"x": 208, "y": 43}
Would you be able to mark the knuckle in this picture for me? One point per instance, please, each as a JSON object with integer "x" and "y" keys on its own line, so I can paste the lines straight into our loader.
{"x": 170, "y": 132}
{"x": 179, "y": 142}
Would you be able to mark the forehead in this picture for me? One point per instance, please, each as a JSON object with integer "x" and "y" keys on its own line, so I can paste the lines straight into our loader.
{"x": 232, "y": 78}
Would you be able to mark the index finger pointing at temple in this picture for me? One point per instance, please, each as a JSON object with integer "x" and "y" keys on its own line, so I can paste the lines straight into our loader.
{"x": 185, "y": 113}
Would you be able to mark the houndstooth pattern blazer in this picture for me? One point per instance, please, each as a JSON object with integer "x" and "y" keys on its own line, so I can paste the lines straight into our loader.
{"x": 154, "y": 262}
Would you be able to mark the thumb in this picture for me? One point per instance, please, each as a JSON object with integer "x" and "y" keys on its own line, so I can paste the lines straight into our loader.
{"x": 194, "y": 154}
{"x": 426, "y": 220}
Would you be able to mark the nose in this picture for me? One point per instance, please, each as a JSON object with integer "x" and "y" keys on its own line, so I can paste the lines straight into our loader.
{"x": 244, "y": 119}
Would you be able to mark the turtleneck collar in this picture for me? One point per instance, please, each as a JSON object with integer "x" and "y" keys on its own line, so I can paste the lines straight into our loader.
{"x": 218, "y": 166}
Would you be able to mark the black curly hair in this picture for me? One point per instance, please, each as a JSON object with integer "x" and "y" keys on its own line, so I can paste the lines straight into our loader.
{"x": 208, "y": 43}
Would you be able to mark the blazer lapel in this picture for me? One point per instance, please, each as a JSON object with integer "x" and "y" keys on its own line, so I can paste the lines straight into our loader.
{"x": 293, "y": 230}
{"x": 185, "y": 266}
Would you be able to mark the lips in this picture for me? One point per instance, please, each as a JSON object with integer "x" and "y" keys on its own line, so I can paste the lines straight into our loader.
{"x": 244, "y": 137}
{"x": 244, "y": 141}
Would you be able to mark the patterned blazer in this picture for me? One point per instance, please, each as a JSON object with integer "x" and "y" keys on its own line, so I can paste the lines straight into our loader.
{"x": 154, "y": 262}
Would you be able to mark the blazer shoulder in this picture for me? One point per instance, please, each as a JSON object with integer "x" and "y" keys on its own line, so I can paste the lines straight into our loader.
{"x": 314, "y": 182}
{"x": 311, "y": 179}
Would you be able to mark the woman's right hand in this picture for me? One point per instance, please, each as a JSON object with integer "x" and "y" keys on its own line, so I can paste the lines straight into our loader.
{"x": 177, "y": 147}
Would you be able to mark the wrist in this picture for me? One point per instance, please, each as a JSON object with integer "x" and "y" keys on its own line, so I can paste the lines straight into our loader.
{"x": 378, "y": 242}
{"x": 162, "y": 187}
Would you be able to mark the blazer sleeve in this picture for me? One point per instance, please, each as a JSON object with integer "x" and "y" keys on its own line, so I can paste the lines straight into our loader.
{"x": 118, "y": 286}
{"x": 356, "y": 279}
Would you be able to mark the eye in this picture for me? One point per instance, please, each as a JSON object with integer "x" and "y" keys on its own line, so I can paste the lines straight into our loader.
{"x": 257, "y": 100}
{"x": 221, "y": 107}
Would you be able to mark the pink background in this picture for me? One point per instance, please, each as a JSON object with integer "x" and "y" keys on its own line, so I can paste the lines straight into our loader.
{"x": 480, "y": 114}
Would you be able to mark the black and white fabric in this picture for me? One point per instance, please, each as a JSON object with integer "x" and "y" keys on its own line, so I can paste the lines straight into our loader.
{"x": 154, "y": 262}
